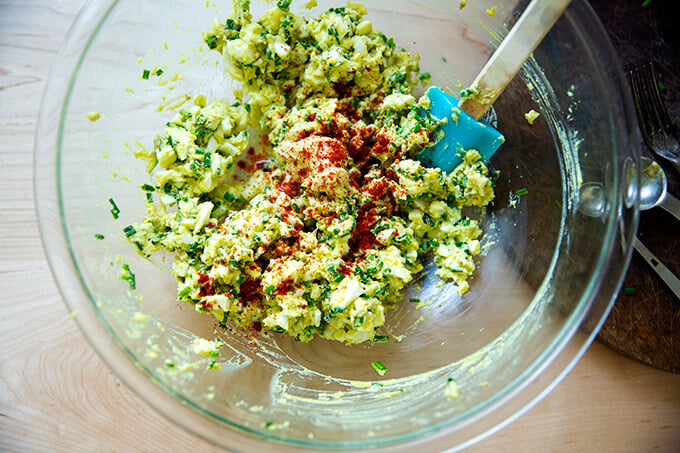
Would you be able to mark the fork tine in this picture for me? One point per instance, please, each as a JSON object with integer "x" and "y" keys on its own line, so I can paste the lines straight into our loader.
{"x": 660, "y": 106}
{"x": 641, "y": 107}
{"x": 653, "y": 118}
{"x": 653, "y": 97}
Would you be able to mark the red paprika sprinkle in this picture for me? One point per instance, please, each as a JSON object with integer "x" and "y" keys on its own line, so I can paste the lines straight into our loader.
{"x": 362, "y": 236}
{"x": 345, "y": 269}
{"x": 324, "y": 148}
{"x": 249, "y": 291}
{"x": 284, "y": 287}
{"x": 206, "y": 285}
{"x": 292, "y": 189}
{"x": 381, "y": 145}
{"x": 378, "y": 188}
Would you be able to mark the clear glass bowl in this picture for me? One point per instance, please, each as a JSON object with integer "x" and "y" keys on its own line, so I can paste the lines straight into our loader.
{"x": 538, "y": 297}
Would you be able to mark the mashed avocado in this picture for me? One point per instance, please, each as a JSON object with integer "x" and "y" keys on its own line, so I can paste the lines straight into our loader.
{"x": 301, "y": 208}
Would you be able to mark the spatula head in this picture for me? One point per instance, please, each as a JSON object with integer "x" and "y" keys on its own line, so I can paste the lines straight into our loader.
{"x": 461, "y": 132}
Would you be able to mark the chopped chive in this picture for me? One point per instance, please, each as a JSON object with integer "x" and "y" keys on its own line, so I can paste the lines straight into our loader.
{"x": 283, "y": 4}
{"x": 151, "y": 164}
{"x": 379, "y": 367}
{"x": 114, "y": 210}
{"x": 403, "y": 238}
{"x": 185, "y": 291}
{"x": 269, "y": 289}
{"x": 129, "y": 231}
{"x": 99, "y": 236}
{"x": 229, "y": 197}
{"x": 414, "y": 299}
{"x": 523, "y": 191}
{"x": 425, "y": 76}
{"x": 380, "y": 339}
{"x": 193, "y": 247}
{"x": 646, "y": 3}
{"x": 338, "y": 278}
{"x": 159, "y": 71}
{"x": 149, "y": 197}
{"x": 204, "y": 131}
{"x": 148, "y": 187}
{"x": 629, "y": 290}
{"x": 211, "y": 41}
{"x": 128, "y": 276}
{"x": 145, "y": 74}
{"x": 559, "y": 205}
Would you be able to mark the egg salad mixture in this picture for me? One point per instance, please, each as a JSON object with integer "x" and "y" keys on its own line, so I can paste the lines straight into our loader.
{"x": 301, "y": 209}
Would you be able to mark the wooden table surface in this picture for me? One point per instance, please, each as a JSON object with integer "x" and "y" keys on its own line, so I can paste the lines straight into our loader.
{"x": 56, "y": 395}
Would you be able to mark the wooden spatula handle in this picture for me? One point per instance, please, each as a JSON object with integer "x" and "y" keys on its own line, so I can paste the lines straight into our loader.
{"x": 503, "y": 65}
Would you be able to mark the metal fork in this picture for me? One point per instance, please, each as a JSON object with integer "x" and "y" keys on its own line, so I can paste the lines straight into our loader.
{"x": 655, "y": 122}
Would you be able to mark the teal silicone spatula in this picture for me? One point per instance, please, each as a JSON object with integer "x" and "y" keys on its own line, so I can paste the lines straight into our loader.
{"x": 463, "y": 129}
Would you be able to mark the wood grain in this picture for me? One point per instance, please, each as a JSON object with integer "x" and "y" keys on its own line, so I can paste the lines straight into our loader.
{"x": 57, "y": 396}
{"x": 645, "y": 324}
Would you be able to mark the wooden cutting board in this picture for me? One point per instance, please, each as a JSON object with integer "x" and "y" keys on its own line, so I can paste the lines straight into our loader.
{"x": 645, "y": 321}
{"x": 645, "y": 325}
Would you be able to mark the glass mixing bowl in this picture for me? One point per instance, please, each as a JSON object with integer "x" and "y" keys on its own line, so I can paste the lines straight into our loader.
{"x": 538, "y": 297}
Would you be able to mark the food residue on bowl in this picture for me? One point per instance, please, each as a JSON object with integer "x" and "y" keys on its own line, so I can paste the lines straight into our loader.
{"x": 299, "y": 208}
{"x": 531, "y": 116}
{"x": 451, "y": 391}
